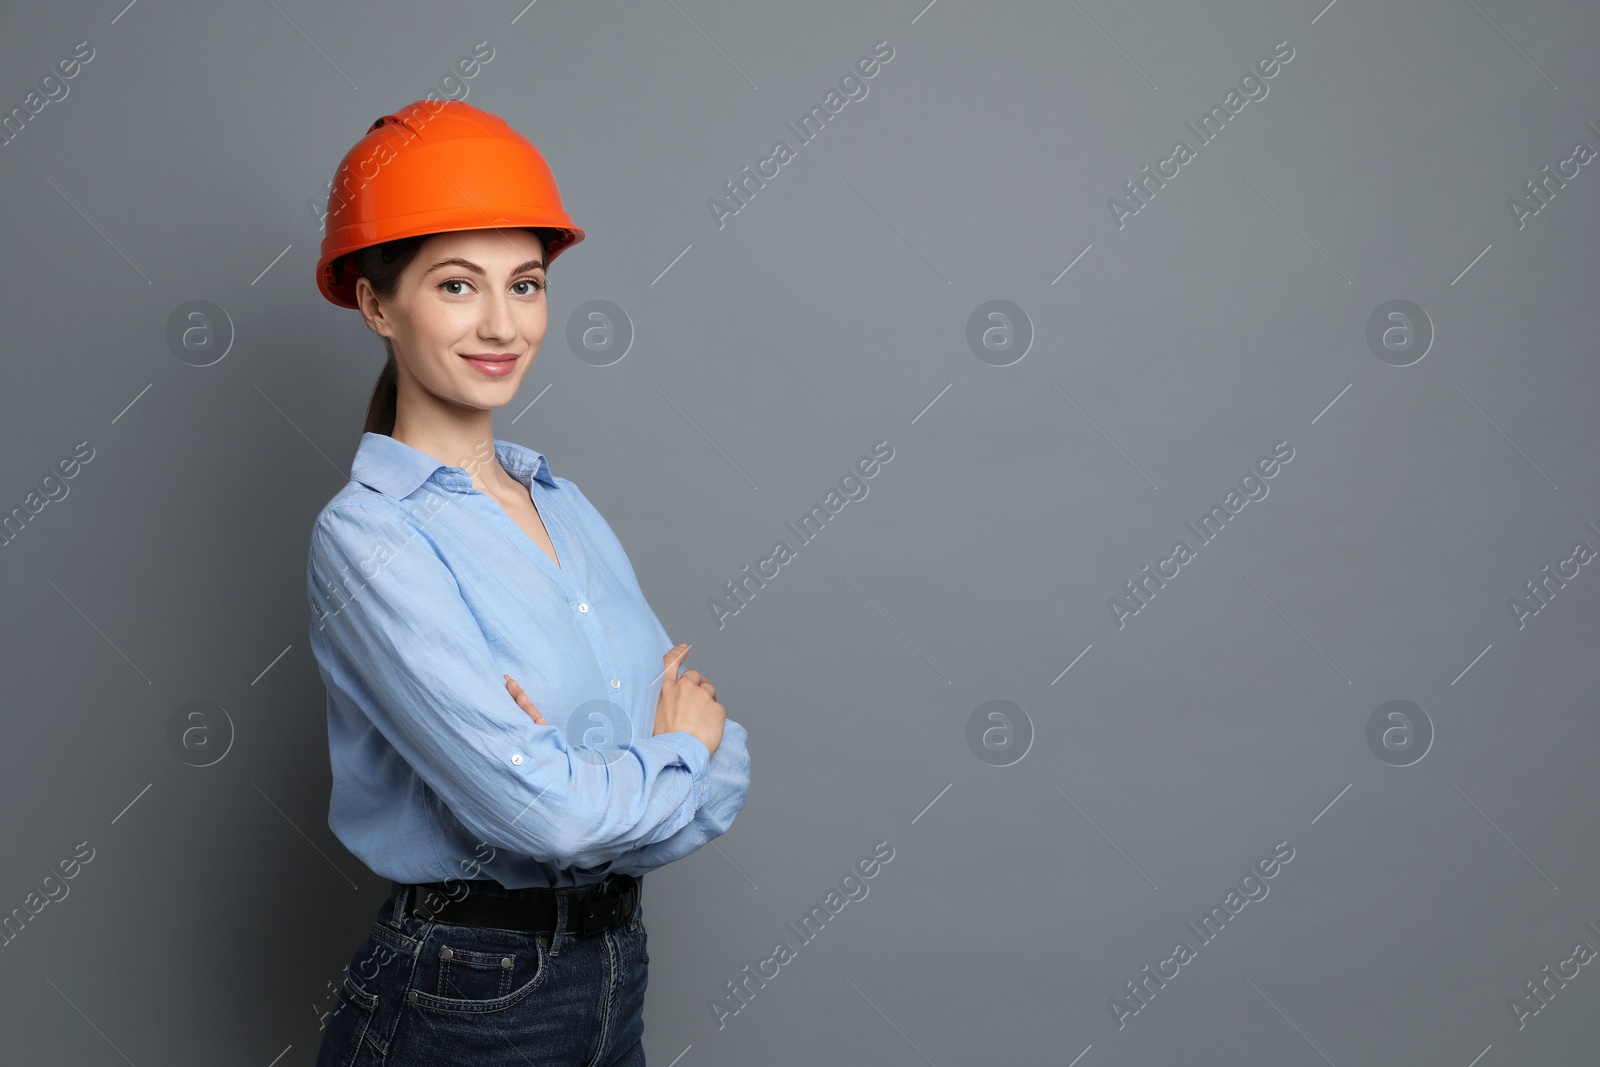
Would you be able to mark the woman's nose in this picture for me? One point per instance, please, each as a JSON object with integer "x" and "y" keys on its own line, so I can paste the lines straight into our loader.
{"x": 497, "y": 319}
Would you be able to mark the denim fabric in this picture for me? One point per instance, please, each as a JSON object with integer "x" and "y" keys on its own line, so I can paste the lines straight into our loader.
{"x": 405, "y": 1001}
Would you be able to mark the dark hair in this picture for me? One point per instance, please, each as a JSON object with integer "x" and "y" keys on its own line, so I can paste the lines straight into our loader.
{"x": 382, "y": 265}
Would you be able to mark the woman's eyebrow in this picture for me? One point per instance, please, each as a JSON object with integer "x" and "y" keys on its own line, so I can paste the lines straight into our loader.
{"x": 467, "y": 264}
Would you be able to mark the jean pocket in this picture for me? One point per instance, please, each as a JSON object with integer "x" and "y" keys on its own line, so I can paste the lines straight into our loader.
{"x": 478, "y": 970}
{"x": 347, "y": 1025}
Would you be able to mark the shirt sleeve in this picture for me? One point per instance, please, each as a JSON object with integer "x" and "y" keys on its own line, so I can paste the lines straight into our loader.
{"x": 391, "y": 628}
{"x": 728, "y": 782}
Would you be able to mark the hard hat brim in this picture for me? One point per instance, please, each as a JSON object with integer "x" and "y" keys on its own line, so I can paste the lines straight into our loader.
{"x": 336, "y": 278}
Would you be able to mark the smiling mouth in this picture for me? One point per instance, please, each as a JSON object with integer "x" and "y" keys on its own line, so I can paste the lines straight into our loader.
{"x": 497, "y": 365}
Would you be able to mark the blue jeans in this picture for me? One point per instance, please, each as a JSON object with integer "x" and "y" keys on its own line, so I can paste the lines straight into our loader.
{"x": 427, "y": 992}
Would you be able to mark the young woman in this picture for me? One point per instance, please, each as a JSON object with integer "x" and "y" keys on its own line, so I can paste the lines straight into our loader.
{"x": 512, "y": 743}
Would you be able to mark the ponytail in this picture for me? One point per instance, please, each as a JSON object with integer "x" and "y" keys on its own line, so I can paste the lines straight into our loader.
{"x": 381, "y": 266}
{"x": 381, "y": 408}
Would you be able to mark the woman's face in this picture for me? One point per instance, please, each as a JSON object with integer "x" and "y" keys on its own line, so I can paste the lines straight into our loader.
{"x": 468, "y": 315}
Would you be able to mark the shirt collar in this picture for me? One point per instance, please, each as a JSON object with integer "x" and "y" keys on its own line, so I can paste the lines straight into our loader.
{"x": 396, "y": 469}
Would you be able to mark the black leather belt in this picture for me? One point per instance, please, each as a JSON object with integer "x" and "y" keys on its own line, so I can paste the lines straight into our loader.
{"x": 534, "y": 910}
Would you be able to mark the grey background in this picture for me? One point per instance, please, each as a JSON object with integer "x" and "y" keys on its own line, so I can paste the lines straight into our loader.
{"x": 831, "y": 313}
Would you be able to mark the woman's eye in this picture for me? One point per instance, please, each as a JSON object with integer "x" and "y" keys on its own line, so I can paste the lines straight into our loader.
{"x": 538, "y": 286}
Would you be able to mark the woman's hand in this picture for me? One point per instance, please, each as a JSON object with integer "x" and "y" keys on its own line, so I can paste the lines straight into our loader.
{"x": 688, "y": 702}
{"x": 522, "y": 700}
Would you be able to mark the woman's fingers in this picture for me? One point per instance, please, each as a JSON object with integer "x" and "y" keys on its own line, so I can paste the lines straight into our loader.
{"x": 522, "y": 700}
{"x": 671, "y": 660}
{"x": 694, "y": 676}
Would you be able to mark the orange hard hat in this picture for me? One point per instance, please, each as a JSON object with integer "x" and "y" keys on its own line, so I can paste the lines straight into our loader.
{"x": 432, "y": 167}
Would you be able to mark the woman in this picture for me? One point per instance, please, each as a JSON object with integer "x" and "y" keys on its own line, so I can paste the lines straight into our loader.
{"x": 511, "y": 742}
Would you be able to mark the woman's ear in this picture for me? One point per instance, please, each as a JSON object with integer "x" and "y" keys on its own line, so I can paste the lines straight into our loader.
{"x": 372, "y": 309}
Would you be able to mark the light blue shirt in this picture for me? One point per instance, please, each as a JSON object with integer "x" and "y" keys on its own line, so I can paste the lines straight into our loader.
{"x": 423, "y": 592}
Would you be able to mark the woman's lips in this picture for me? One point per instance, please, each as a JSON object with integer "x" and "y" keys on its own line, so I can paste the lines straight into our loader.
{"x": 497, "y": 366}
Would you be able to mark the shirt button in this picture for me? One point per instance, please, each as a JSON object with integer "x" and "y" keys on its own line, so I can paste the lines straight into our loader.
{"x": 516, "y": 759}
{"x": 584, "y": 608}
{"x": 616, "y": 683}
